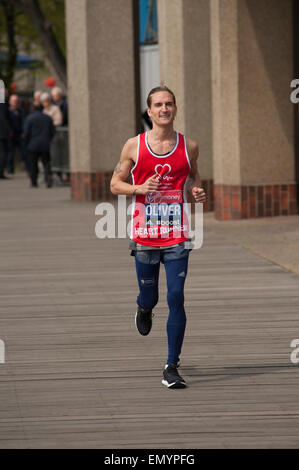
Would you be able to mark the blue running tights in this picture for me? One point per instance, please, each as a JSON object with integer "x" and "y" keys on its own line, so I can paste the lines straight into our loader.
{"x": 148, "y": 281}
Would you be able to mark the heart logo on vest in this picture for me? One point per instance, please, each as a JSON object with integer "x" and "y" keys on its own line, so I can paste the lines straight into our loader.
{"x": 162, "y": 170}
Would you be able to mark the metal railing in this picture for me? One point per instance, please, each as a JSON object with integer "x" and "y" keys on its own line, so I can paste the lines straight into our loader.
{"x": 59, "y": 150}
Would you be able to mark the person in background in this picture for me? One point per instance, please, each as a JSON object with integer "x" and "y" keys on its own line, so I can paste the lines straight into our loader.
{"x": 25, "y": 104}
{"x": 16, "y": 143}
{"x": 51, "y": 109}
{"x": 36, "y": 99}
{"x": 38, "y": 132}
{"x": 61, "y": 101}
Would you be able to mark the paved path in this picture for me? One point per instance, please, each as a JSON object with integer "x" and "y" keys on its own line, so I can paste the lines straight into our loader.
{"x": 273, "y": 238}
{"x": 78, "y": 375}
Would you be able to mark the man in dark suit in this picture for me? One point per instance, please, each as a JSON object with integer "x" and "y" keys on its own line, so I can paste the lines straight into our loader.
{"x": 17, "y": 117}
{"x": 38, "y": 132}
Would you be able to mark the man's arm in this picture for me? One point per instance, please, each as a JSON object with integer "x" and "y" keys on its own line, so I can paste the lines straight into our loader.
{"x": 122, "y": 170}
{"x": 193, "y": 181}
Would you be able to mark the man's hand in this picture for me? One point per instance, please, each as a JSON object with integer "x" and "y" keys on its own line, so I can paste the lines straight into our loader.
{"x": 199, "y": 194}
{"x": 150, "y": 185}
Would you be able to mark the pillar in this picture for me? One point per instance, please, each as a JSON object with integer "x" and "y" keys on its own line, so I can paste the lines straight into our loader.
{"x": 101, "y": 91}
{"x": 185, "y": 67}
{"x": 253, "y": 131}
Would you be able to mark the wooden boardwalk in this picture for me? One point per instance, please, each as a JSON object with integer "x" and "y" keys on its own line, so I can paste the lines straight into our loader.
{"x": 77, "y": 373}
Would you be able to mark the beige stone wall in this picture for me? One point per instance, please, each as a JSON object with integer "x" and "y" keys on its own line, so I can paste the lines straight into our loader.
{"x": 197, "y": 75}
{"x": 252, "y": 66}
{"x": 78, "y": 89}
{"x": 185, "y": 66}
{"x": 170, "y": 21}
{"x": 101, "y": 81}
{"x": 239, "y": 49}
{"x": 265, "y": 72}
{"x": 225, "y": 110}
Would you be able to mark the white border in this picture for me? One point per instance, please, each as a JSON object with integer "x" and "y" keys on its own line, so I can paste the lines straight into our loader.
{"x": 187, "y": 156}
{"x": 137, "y": 156}
{"x": 168, "y": 154}
{"x": 2, "y": 351}
{"x": 134, "y": 197}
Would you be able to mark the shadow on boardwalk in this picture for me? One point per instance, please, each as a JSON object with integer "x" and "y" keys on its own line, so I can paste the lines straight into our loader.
{"x": 78, "y": 375}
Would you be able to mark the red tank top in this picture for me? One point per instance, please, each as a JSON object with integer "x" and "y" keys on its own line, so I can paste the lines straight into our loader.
{"x": 160, "y": 218}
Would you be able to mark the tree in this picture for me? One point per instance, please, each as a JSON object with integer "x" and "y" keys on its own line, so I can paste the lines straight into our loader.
{"x": 8, "y": 66}
{"x": 39, "y": 22}
{"x": 42, "y": 14}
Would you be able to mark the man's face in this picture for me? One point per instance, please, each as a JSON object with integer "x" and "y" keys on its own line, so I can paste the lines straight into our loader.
{"x": 162, "y": 110}
{"x": 14, "y": 102}
{"x": 56, "y": 96}
{"x": 37, "y": 96}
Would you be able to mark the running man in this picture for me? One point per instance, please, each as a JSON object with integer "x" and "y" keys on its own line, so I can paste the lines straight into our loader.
{"x": 162, "y": 163}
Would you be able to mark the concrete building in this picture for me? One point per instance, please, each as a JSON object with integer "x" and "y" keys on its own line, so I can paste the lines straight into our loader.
{"x": 230, "y": 64}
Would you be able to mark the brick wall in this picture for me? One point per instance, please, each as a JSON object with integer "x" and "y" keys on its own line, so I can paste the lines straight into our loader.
{"x": 243, "y": 202}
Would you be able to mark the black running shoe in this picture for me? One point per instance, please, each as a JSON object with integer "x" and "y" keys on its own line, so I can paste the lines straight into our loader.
{"x": 143, "y": 320}
{"x": 171, "y": 377}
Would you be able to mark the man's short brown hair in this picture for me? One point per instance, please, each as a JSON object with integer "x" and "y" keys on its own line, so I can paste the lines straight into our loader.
{"x": 155, "y": 90}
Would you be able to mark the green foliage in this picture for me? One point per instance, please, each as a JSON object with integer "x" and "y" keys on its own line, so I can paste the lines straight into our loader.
{"x": 24, "y": 30}
{"x": 54, "y": 12}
